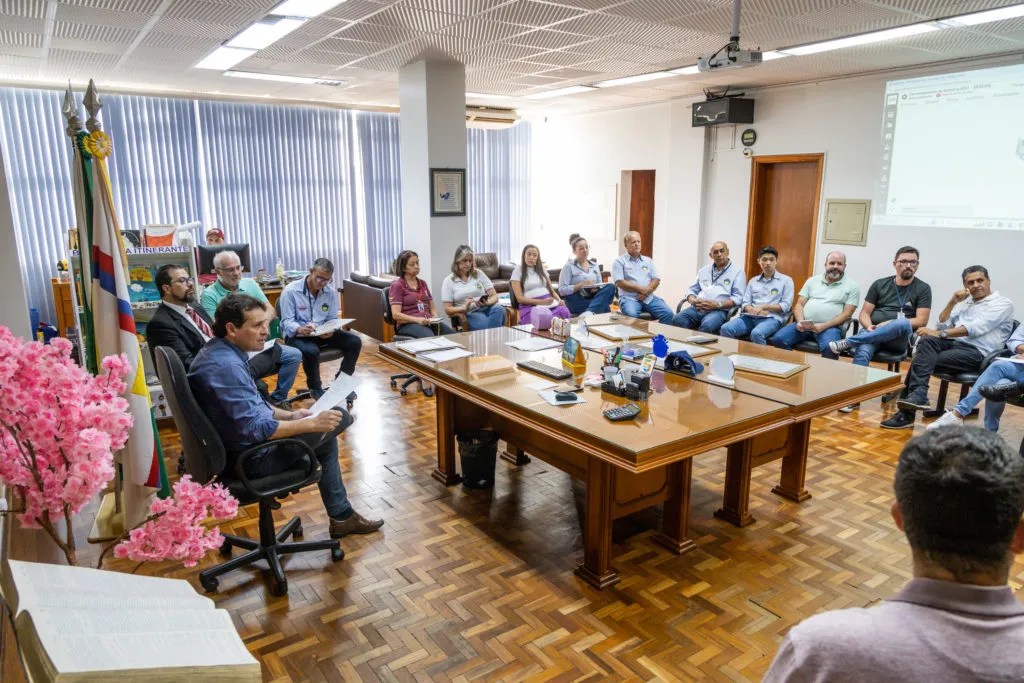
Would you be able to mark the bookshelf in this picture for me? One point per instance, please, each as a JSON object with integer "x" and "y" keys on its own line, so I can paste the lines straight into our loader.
{"x": 143, "y": 262}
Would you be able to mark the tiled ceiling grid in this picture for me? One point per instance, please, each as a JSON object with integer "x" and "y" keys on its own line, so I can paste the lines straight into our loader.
{"x": 511, "y": 48}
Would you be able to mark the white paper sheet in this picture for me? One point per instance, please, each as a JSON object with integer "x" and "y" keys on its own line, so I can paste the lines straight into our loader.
{"x": 523, "y": 328}
{"x": 332, "y": 325}
{"x": 542, "y": 385}
{"x": 428, "y": 345}
{"x": 549, "y": 396}
{"x": 335, "y": 395}
{"x": 269, "y": 344}
{"x": 534, "y": 344}
{"x": 446, "y": 355}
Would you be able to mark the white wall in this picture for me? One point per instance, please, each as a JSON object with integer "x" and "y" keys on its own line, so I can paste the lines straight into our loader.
{"x": 700, "y": 200}
{"x": 842, "y": 119}
{"x": 13, "y": 305}
{"x": 579, "y": 159}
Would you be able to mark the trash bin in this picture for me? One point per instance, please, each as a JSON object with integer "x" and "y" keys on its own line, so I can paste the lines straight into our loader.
{"x": 478, "y": 451}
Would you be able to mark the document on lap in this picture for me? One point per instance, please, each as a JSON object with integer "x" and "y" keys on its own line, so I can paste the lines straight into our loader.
{"x": 331, "y": 326}
{"x": 267, "y": 345}
{"x": 340, "y": 388}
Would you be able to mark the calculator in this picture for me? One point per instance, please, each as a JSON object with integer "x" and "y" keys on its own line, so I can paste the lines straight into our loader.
{"x": 626, "y": 412}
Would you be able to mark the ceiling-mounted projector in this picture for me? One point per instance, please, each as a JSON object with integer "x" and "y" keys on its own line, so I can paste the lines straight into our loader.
{"x": 730, "y": 56}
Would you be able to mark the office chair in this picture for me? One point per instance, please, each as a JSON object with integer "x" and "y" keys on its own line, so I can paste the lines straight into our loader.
{"x": 326, "y": 356}
{"x": 409, "y": 377}
{"x": 965, "y": 379}
{"x": 206, "y": 458}
{"x": 811, "y": 346}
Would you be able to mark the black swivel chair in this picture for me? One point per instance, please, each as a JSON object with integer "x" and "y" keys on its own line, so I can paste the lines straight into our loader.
{"x": 206, "y": 458}
{"x": 326, "y": 356}
{"x": 409, "y": 377}
{"x": 811, "y": 346}
{"x": 965, "y": 379}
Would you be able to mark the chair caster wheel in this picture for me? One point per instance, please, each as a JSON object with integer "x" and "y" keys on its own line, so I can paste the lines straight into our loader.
{"x": 428, "y": 392}
{"x": 209, "y": 584}
{"x": 404, "y": 392}
{"x": 181, "y": 469}
{"x": 337, "y": 554}
{"x": 348, "y": 405}
{"x": 298, "y": 532}
{"x": 279, "y": 588}
{"x": 225, "y": 549}
{"x": 394, "y": 384}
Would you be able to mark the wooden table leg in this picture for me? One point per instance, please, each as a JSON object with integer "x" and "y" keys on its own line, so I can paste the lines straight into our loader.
{"x": 445, "y": 471}
{"x": 596, "y": 568}
{"x": 677, "y": 509}
{"x": 516, "y": 456}
{"x": 794, "y": 464}
{"x": 736, "y": 501}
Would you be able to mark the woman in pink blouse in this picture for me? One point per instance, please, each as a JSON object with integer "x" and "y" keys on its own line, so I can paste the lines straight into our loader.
{"x": 412, "y": 306}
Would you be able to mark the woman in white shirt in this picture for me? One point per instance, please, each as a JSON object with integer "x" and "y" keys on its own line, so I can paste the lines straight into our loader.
{"x": 468, "y": 291}
{"x": 579, "y": 283}
{"x": 532, "y": 287}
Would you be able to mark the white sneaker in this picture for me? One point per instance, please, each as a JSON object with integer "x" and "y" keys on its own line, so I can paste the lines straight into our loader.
{"x": 949, "y": 418}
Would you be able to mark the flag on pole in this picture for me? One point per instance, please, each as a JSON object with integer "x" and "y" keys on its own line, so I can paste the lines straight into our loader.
{"x": 105, "y": 270}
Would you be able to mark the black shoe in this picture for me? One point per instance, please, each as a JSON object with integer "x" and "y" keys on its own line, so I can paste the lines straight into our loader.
{"x": 1002, "y": 392}
{"x": 891, "y": 396}
{"x": 900, "y": 420}
{"x": 917, "y": 400}
{"x": 283, "y": 405}
{"x": 316, "y": 393}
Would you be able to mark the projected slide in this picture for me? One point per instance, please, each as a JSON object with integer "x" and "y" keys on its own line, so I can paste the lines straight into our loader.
{"x": 953, "y": 151}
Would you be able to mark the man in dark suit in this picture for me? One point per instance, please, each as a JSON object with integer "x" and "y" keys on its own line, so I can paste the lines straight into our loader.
{"x": 182, "y": 325}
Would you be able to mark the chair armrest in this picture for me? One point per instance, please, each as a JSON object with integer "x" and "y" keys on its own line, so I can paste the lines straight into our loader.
{"x": 249, "y": 453}
{"x": 459, "y": 322}
{"x": 992, "y": 357}
{"x": 505, "y": 271}
{"x": 856, "y": 326}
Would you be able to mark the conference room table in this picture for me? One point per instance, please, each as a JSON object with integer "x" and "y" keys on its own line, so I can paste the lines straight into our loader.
{"x": 628, "y": 466}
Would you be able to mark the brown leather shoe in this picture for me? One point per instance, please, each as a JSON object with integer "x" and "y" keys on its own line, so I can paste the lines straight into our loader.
{"x": 355, "y": 524}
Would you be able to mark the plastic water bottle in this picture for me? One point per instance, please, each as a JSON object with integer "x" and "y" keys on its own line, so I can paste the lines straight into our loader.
{"x": 279, "y": 269}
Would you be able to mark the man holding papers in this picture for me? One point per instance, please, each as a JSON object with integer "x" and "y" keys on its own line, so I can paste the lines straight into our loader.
{"x": 766, "y": 302}
{"x": 718, "y": 289}
{"x": 182, "y": 326}
{"x": 307, "y": 304}
{"x": 220, "y": 381}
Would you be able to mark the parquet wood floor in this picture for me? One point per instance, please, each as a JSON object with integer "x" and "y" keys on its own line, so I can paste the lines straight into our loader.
{"x": 478, "y": 585}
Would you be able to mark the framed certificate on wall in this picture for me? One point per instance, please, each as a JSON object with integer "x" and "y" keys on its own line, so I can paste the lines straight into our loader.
{"x": 447, "y": 192}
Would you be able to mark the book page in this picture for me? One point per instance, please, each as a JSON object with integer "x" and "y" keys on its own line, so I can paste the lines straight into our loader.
{"x": 73, "y": 622}
{"x": 50, "y": 585}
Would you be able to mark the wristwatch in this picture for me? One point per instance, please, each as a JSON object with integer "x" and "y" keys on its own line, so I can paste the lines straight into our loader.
{"x": 943, "y": 334}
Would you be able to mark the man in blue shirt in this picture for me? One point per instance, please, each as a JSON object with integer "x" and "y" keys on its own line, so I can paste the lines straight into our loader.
{"x": 718, "y": 289}
{"x": 636, "y": 279}
{"x": 225, "y": 390}
{"x": 310, "y": 302}
{"x": 766, "y": 302}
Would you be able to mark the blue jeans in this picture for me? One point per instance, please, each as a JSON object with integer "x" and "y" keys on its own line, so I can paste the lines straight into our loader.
{"x": 705, "y": 321}
{"x": 1000, "y": 372}
{"x": 291, "y": 358}
{"x": 601, "y": 302}
{"x": 279, "y": 458}
{"x": 789, "y": 336}
{"x": 654, "y": 305}
{"x": 892, "y": 336}
{"x": 486, "y": 317}
{"x": 759, "y": 329}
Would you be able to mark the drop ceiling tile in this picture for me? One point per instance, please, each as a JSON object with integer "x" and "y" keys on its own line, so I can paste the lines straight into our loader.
{"x": 216, "y": 12}
{"x": 369, "y": 32}
{"x": 591, "y": 5}
{"x": 19, "y": 61}
{"x": 718, "y": 22}
{"x": 21, "y": 51}
{"x": 570, "y": 74}
{"x": 22, "y": 25}
{"x": 28, "y": 9}
{"x": 500, "y": 51}
{"x": 101, "y": 17}
{"x": 561, "y": 58}
{"x": 420, "y": 20}
{"x": 157, "y": 39}
{"x": 139, "y": 6}
{"x": 93, "y": 33}
{"x": 531, "y": 13}
{"x": 599, "y": 25}
{"x": 484, "y": 32}
{"x": 80, "y": 59}
{"x": 313, "y": 32}
{"x": 192, "y": 27}
{"x": 537, "y": 81}
{"x": 780, "y": 9}
{"x": 550, "y": 40}
{"x": 466, "y": 8}
{"x": 19, "y": 39}
{"x": 351, "y": 47}
{"x": 312, "y": 57}
{"x": 73, "y": 45}
{"x": 854, "y": 18}
{"x": 661, "y": 10}
{"x": 356, "y": 10}
{"x": 933, "y": 9}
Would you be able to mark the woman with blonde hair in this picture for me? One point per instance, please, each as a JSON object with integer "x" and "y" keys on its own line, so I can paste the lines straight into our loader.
{"x": 468, "y": 291}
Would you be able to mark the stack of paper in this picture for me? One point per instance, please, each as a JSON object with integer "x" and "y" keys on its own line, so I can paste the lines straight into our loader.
{"x": 428, "y": 345}
{"x": 445, "y": 355}
{"x": 534, "y": 344}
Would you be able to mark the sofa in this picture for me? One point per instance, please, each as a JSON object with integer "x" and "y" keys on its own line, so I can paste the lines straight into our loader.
{"x": 364, "y": 297}
{"x": 497, "y": 273}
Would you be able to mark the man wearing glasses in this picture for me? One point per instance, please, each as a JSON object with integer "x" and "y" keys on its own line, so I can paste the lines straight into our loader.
{"x": 307, "y": 304}
{"x": 184, "y": 327}
{"x": 893, "y": 309}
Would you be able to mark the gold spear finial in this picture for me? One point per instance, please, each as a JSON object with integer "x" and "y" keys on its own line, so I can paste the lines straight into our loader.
{"x": 69, "y": 109}
{"x": 92, "y": 106}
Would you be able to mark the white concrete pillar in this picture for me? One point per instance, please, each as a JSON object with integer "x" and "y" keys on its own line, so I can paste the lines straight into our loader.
{"x": 13, "y": 304}
{"x": 432, "y": 98}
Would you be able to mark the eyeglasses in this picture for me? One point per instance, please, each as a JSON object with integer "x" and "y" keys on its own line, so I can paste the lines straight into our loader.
{"x": 904, "y": 262}
{"x": 183, "y": 281}
{"x": 231, "y": 269}
{"x": 322, "y": 280}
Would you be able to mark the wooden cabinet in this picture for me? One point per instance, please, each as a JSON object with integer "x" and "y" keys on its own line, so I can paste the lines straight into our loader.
{"x": 65, "y": 306}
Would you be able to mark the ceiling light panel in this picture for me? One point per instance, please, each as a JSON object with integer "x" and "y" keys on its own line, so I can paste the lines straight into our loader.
{"x": 640, "y": 78}
{"x": 265, "y": 32}
{"x": 282, "y": 78}
{"x": 561, "y": 92}
{"x": 224, "y": 58}
{"x": 1001, "y": 14}
{"x": 306, "y": 9}
{"x": 862, "y": 39}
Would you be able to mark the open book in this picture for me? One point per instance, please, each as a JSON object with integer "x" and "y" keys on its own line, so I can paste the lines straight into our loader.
{"x": 77, "y": 624}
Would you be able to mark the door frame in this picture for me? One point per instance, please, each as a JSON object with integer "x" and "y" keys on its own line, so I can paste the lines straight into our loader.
{"x": 758, "y": 163}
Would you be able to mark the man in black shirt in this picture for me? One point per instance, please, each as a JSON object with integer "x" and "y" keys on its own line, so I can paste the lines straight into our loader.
{"x": 893, "y": 308}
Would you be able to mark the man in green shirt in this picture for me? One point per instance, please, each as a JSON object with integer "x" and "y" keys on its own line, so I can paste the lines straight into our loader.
{"x": 825, "y": 302}
{"x": 230, "y": 280}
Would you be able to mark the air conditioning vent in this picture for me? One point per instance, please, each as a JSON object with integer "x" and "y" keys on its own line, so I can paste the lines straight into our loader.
{"x": 491, "y": 117}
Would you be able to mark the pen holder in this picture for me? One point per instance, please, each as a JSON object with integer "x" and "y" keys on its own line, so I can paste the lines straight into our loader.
{"x": 638, "y": 388}
{"x": 609, "y": 387}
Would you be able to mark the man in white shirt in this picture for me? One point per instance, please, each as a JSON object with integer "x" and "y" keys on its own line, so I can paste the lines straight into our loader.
{"x": 975, "y": 322}
{"x": 959, "y": 499}
{"x": 183, "y": 326}
{"x": 718, "y": 289}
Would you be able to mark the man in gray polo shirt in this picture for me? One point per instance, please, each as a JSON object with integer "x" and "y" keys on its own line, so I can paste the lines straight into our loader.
{"x": 959, "y": 499}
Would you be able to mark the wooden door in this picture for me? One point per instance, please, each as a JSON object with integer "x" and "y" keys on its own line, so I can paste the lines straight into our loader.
{"x": 785, "y": 192}
{"x": 641, "y": 209}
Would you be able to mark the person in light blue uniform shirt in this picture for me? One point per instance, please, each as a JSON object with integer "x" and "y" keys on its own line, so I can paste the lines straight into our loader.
{"x": 636, "y": 280}
{"x": 579, "y": 283}
{"x": 718, "y": 289}
{"x": 766, "y": 304}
